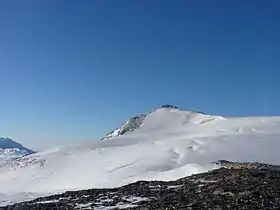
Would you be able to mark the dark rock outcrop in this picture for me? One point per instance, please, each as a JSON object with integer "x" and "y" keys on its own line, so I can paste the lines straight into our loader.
{"x": 254, "y": 187}
{"x": 168, "y": 106}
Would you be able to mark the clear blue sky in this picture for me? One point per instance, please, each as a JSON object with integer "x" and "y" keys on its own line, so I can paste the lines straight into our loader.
{"x": 73, "y": 70}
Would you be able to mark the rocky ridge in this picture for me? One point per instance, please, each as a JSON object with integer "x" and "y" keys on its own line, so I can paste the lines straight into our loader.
{"x": 233, "y": 186}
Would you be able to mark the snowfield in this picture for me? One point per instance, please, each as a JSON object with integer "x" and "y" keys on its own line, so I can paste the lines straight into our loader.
{"x": 6, "y": 155}
{"x": 165, "y": 144}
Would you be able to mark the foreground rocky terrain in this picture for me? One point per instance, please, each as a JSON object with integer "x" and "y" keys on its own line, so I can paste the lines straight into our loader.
{"x": 234, "y": 186}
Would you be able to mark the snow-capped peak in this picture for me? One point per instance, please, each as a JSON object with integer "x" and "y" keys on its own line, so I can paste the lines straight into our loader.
{"x": 134, "y": 123}
{"x": 8, "y": 143}
{"x": 10, "y": 150}
{"x": 166, "y": 111}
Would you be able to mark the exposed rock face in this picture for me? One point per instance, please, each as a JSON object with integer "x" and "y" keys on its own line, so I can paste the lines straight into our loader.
{"x": 252, "y": 187}
{"x": 130, "y": 125}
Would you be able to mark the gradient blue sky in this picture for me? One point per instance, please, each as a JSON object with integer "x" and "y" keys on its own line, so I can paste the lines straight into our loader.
{"x": 73, "y": 70}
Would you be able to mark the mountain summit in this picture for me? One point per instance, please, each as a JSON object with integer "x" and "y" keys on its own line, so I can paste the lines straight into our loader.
{"x": 134, "y": 123}
{"x": 165, "y": 113}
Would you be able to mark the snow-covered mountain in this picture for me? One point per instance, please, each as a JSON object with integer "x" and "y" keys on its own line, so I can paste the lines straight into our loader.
{"x": 164, "y": 144}
{"x": 134, "y": 123}
{"x": 10, "y": 150}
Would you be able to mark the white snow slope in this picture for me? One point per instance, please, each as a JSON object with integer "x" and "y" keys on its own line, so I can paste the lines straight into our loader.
{"x": 169, "y": 143}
